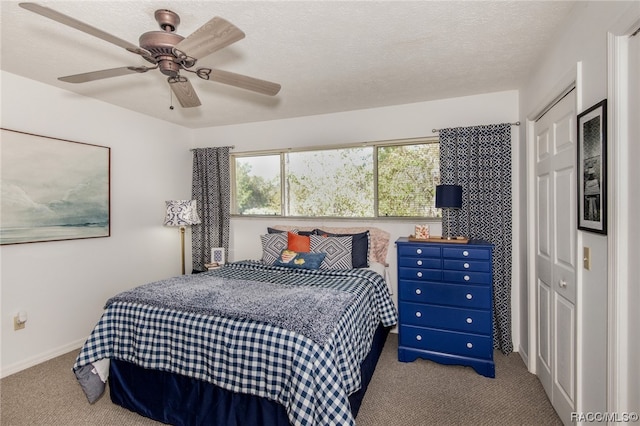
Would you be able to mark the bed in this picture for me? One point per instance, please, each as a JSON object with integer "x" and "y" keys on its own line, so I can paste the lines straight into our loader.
{"x": 255, "y": 342}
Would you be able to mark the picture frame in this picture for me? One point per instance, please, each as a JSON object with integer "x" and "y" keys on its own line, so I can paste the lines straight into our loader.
{"x": 53, "y": 189}
{"x": 592, "y": 169}
{"x": 217, "y": 255}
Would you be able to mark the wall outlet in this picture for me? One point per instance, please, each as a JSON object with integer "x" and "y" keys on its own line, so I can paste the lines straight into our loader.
{"x": 17, "y": 325}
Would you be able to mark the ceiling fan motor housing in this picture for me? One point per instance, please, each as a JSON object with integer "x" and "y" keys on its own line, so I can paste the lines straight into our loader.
{"x": 160, "y": 44}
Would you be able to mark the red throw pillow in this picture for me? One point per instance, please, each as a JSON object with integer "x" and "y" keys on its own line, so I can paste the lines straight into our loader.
{"x": 299, "y": 243}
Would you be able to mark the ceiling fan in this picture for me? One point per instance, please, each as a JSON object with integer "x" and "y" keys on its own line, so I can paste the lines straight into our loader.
{"x": 169, "y": 52}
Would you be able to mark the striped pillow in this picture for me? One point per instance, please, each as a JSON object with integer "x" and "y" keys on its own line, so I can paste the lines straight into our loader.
{"x": 272, "y": 246}
{"x": 337, "y": 250}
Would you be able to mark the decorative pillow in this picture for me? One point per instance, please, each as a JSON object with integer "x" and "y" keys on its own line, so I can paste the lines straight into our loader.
{"x": 272, "y": 246}
{"x": 292, "y": 259}
{"x": 294, "y": 231}
{"x": 299, "y": 243}
{"x": 337, "y": 249}
{"x": 360, "y": 247}
{"x": 90, "y": 382}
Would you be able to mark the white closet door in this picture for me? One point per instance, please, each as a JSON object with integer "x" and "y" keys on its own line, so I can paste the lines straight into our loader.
{"x": 555, "y": 150}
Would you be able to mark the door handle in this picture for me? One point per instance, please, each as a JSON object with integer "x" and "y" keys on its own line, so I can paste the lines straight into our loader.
{"x": 562, "y": 284}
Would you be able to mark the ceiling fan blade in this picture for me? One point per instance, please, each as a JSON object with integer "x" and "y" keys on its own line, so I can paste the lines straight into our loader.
{"x": 79, "y": 25}
{"x": 239, "y": 80}
{"x": 184, "y": 91}
{"x": 99, "y": 75}
{"x": 212, "y": 36}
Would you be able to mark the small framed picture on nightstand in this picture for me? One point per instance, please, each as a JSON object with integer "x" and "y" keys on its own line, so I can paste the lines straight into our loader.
{"x": 217, "y": 255}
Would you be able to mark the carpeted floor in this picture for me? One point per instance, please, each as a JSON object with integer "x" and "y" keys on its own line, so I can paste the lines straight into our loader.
{"x": 400, "y": 394}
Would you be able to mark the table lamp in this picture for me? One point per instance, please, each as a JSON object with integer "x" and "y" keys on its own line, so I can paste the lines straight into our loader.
{"x": 448, "y": 197}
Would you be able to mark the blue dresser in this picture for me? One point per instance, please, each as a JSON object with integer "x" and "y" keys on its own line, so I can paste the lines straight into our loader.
{"x": 445, "y": 303}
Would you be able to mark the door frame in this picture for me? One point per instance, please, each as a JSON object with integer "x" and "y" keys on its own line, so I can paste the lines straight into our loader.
{"x": 618, "y": 381}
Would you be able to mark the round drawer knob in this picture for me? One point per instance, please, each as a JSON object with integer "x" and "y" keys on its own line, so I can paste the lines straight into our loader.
{"x": 466, "y": 266}
{"x": 419, "y": 274}
{"x": 469, "y": 320}
{"x": 418, "y": 337}
{"x": 419, "y": 251}
{"x": 418, "y": 291}
{"x": 418, "y": 314}
{"x": 419, "y": 262}
{"x": 467, "y": 277}
{"x": 469, "y": 345}
{"x": 469, "y": 296}
{"x": 465, "y": 253}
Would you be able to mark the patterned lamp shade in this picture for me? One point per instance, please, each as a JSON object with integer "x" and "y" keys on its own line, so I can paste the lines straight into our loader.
{"x": 181, "y": 213}
{"x": 449, "y": 196}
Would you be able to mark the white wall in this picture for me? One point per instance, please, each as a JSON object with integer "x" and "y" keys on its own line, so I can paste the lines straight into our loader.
{"x": 396, "y": 122}
{"x": 63, "y": 285}
{"x": 580, "y": 51}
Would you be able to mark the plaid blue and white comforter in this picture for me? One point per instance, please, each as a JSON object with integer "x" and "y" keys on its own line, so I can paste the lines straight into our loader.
{"x": 312, "y": 381}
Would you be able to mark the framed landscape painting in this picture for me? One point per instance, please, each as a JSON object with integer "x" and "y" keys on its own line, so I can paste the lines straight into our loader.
{"x": 52, "y": 189}
{"x": 592, "y": 169}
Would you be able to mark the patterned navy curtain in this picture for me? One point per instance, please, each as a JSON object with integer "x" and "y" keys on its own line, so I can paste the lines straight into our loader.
{"x": 479, "y": 159}
{"x": 211, "y": 188}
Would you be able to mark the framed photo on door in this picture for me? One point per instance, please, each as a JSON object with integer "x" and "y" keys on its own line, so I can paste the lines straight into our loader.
{"x": 592, "y": 169}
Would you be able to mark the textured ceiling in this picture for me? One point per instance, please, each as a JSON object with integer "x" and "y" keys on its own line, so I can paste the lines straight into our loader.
{"x": 329, "y": 56}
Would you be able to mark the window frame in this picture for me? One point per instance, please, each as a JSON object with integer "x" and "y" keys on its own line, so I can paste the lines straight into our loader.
{"x": 283, "y": 151}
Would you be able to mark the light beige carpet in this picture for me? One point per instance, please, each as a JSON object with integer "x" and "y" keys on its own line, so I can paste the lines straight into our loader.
{"x": 400, "y": 394}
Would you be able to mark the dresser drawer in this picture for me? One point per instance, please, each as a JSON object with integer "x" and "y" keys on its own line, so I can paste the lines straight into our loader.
{"x": 419, "y": 274}
{"x": 450, "y": 318}
{"x": 464, "y": 296}
{"x": 419, "y": 250}
{"x": 452, "y": 342}
{"x": 467, "y": 265}
{"x": 466, "y": 252}
{"x": 483, "y": 278}
{"x": 420, "y": 262}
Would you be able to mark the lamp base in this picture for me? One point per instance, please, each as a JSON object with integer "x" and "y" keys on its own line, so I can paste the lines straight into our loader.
{"x": 182, "y": 231}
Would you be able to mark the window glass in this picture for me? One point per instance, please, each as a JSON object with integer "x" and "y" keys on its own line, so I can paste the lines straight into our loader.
{"x": 257, "y": 185}
{"x": 407, "y": 177}
{"x": 337, "y": 182}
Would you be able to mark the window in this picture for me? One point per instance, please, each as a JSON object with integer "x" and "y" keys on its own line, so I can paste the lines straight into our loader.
{"x": 377, "y": 180}
{"x": 337, "y": 182}
{"x": 407, "y": 179}
{"x": 257, "y": 185}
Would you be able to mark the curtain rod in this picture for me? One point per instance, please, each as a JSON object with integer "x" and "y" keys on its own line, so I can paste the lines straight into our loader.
{"x": 230, "y": 147}
{"x": 517, "y": 123}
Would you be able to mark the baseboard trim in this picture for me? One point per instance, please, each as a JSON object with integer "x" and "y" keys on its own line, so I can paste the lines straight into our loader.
{"x": 525, "y": 357}
{"x": 40, "y": 358}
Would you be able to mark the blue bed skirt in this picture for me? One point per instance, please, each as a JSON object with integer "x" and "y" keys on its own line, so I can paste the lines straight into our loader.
{"x": 180, "y": 400}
